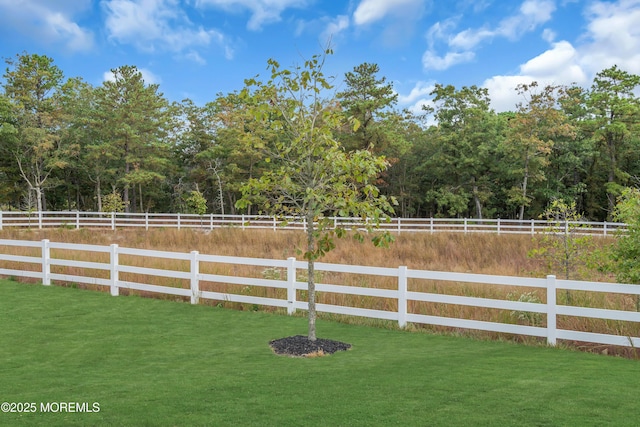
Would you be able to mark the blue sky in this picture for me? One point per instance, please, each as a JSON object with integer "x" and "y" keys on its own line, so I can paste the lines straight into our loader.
{"x": 198, "y": 48}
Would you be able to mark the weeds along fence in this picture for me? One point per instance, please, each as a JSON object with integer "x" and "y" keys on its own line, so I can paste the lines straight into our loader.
{"x": 118, "y": 220}
{"x": 523, "y": 306}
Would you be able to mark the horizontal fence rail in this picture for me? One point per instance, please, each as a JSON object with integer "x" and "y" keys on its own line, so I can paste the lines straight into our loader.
{"x": 119, "y": 220}
{"x": 109, "y": 269}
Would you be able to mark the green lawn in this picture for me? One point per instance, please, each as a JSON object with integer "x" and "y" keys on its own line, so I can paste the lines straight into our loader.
{"x": 151, "y": 362}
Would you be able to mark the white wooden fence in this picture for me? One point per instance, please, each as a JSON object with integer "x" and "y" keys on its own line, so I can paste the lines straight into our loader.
{"x": 550, "y": 285}
{"x": 77, "y": 219}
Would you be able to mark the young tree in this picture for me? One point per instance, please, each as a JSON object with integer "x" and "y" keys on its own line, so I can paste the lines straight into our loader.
{"x": 196, "y": 203}
{"x": 625, "y": 252}
{"x": 312, "y": 176}
{"x": 562, "y": 246}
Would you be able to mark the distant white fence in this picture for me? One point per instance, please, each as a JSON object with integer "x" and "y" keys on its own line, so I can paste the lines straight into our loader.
{"x": 550, "y": 309}
{"x": 118, "y": 220}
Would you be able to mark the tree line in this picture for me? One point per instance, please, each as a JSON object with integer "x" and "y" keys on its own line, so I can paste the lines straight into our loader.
{"x": 66, "y": 144}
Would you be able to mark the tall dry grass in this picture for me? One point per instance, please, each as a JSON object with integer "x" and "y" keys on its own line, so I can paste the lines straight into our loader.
{"x": 469, "y": 253}
{"x": 476, "y": 253}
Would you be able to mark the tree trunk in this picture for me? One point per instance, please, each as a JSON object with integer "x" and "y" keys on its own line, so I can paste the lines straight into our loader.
{"x": 220, "y": 194}
{"x": 311, "y": 285}
{"x": 125, "y": 198}
{"x": 525, "y": 181}
{"x": 99, "y": 194}
{"x": 127, "y": 169}
{"x": 611, "y": 198}
{"x": 477, "y": 201}
{"x": 38, "y": 197}
{"x": 141, "y": 200}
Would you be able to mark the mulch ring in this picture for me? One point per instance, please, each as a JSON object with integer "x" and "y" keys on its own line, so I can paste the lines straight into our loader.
{"x": 301, "y": 346}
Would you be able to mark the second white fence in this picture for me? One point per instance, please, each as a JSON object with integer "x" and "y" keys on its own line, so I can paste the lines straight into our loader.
{"x": 118, "y": 220}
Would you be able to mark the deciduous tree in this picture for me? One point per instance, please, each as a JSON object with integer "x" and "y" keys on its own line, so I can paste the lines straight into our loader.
{"x": 531, "y": 136}
{"x": 313, "y": 176}
{"x": 466, "y": 138}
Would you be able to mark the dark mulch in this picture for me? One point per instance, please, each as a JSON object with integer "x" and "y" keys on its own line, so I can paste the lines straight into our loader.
{"x": 301, "y": 346}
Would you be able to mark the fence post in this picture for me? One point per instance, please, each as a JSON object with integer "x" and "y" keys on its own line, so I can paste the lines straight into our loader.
{"x": 40, "y": 220}
{"x": 498, "y": 226}
{"x": 551, "y": 310}
{"x": 146, "y": 220}
{"x": 178, "y": 220}
{"x": 211, "y": 221}
{"x": 533, "y": 227}
{"x": 114, "y": 260}
{"x": 77, "y": 220}
{"x": 113, "y": 220}
{"x": 431, "y": 225}
{"x": 0, "y": 220}
{"x": 604, "y": 227}
{"x": 402, "y": 296}
{"x": 195, "y": 272}
{"x": 46, "y": 265}
{"x": 291, "y": 285}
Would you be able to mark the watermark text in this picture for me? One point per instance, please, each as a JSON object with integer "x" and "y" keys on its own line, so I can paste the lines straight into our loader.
{"x": 49, "y": 407}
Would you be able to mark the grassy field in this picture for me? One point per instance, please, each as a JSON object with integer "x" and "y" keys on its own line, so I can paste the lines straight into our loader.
{"x": 150, "y": 362}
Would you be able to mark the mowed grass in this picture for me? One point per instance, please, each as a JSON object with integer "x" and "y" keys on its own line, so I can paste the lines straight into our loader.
{"x": 151, "y": 362}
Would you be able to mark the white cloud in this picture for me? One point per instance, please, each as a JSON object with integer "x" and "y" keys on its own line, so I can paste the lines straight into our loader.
{"x": 148, "y": 77}
{"x": 613, "y": 36}
{"x": 531, "y": 14}
{"x": 560, "y": 62}
{"x": 418, "y": 97}
{"x": 548, "y": 35}
{"x": 559, "y": 65}
{"x": 502, "y": 91}
{"x": 195, "y": 57}
{"x": 48, "y": 22}
{"x": 440, "y": 30}
{"x": 431, "y": 61}
{"x": 400, "y": 18}
{"x": 420, "y": 90}
{"x": 152, "y": 25}
{"x": 335, "y": 27}
{"x": 468, "y": 39}
{"x": 262, "y": 11}
{"x": 370, "y": 11}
